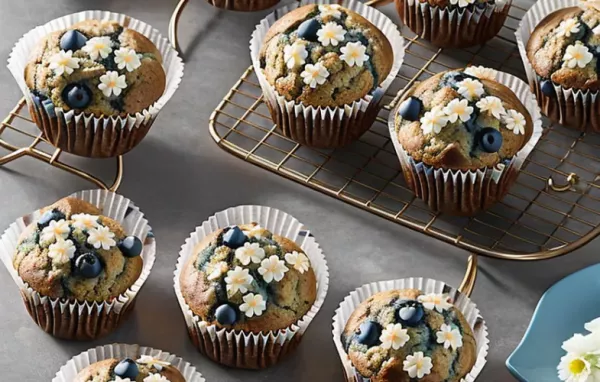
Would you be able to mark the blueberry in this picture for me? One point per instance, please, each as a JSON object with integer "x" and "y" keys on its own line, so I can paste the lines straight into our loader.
{"x": 77, "y": 96}
{"x": 411, "y": 315}
{"x": 547, "y": 88}
{"x": 72, "y": 40}
{"x": 88, "y": 265}
{"x": 308, "y": 30}
{"x": 48, "y": 216}
{"x": 490, "y": 140}
{"x": 234, "y": 237}
{"x": 226, "y": 315}
{"x": 410, "y": 109}
{"x": 127, "y": 368}
{"x": 131, "y": 246}
{"x": 471, "y": 124}
{"x": 368, "y": 333}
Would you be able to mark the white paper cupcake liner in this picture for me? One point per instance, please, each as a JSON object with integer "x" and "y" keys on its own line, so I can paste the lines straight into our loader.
{"x": 466, "y": 193}
{"x": 574, "y": 108}
{"x": 87, "y": 135}
{"x": 83, "y": 320}
{"x": 69, "y": 371}
{"x": 453, "y": 27}
{"x": 460, "y": 301}
{"x": 326, "y": 127}
{"x": 245, "y": 349}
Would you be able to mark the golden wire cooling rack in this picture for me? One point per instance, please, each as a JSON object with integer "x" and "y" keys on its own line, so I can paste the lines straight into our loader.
{"x": 553, "y": 208}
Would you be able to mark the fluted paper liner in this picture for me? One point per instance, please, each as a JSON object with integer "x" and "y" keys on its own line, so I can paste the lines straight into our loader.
{"x": 87, "y": 135}
{"x": 578, "y": 109}
{"x": 245, "y": 349}
{"x": 74, "y": 319}
{"x": 460, "y": 301}
{"x": 69, "y": 371}
{"x": 453, "y": 27}
{"x": 466, "y": 193}
{"x": 326, "y": 127}
{"x": 243, "y": 5}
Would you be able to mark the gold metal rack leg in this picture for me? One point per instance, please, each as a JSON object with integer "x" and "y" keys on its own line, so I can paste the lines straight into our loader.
{"x": 468, "y": 284}
{"x": 174, "y": 25}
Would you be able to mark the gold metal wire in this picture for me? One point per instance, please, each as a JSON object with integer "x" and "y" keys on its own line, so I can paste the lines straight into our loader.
{"x": 174, "y": 25}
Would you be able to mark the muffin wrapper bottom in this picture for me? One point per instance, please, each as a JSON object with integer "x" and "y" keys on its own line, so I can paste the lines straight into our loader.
{"x": 244, "y": 349}
{"x": 243, "y": 5}
{"x": 468, "y": 192}
{"x": 83, "y": 320}
{"x": 462, "y": 303}
{"x": 332, "y": 126}
{"x": 87, "y": 135}
{"x": 69, "y": 371}
{"x": 453, "y": 28}
{"x": 574, "y": 108}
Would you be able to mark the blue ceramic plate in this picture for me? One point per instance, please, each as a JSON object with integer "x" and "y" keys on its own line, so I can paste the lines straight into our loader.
{"x": 562, "y": 311}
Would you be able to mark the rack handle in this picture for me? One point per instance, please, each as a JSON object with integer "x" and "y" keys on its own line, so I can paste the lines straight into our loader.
{"x": 468, "y": 284}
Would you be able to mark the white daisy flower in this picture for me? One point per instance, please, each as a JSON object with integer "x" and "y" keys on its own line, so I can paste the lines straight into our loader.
{"x": 449, "y": 337}
{"x": 417, "y": 365}
{"x": 435, "y": 301}
{"x": 101, "y": 237}
{"x": 434, "y": 120}
{"x": 577, "y": 55}
{"x": 574, "y": 368}
{"x": 354, "y": 54}
{"x": 127, "y": 58}
{"x": 315, "y": 74}
{"x": 470, "y": 89}
{"x": 254, "y": 305}
{"x": 98, "y": 47}
{"x": 568, "y": 27}
{"x": 238, "y": 279}
{"x": 56, "y": 230}
{"x": 458, "y": 109}
{"x": 331, "y": 33}
{"x": 492, "y": 105}
{"x": 155, "y": 378}
{"x": 593, "y": 326}
{"x": 462, "y": 3}
{"x": 272, "y": 269}
{"x": 250, "y": 252}
{"x": 515, "y": 121}
{"x": 62, "y": 251}
{"x": 582, "y": 345}
{"x": 111, "y": 83}
{"x": 393, "y": 336}
{"x": 63, "y": 62}
{"x": 482, "y": 72}
{"x": 295, "y": 54}
{"x": 217, "y": 270}
{"x": 84, "y": 221}
{"x": 298, "y": 260}
{"x": 152, "y": 362}
{"x": 332, "y": 10}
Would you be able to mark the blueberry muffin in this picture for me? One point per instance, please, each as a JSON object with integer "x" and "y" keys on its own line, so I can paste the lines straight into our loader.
{"x": 245, "y": 278}
{"x": 96, "y": 67}
{"x": 74, "y": 253}
{"x": 405, "y": 335}
{"x": 144, "y": 369}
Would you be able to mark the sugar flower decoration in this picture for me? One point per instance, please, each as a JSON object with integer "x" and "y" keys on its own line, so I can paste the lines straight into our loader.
{"x": 354, "y": 54}
{"x": 331, "y": 33}
{"x": 417, "y": 365}
{"x": 61, "y": 251}
{"x": 156, "y": 378}
{"x": 56, "y": 230}
{"x": 238, "y": 279}
{"x": 515, "y": 121}
{"x": 127, "y": 58}
{"x": 222, "y": 251}
{"x": 250, "y": 252}
{"x": 254, "y": 305}
{"x": 470, "y": 89}
{"x": 449, "y": 337}
{"x": 577, "y": 55}
{"x": 574, "y": 368}
{"x": 84, "y": 221}
{"x": 152, "y": 362}
{"x": 295, "y": 54}
{"x": 568, "y": 27}
{"x": 596, "y": 30}
{"x": 272, "y": 269}
{"x": 491, "y": 104}
{"x": 217, "y": 271}
{"x": 63, "y": 62}
{"x": 98, "y": 47}
{"x": 101, "y": 237}
{"x": 298, "y": 260}
{"x": 462, "y": 3}
{"x": 482, "y": 72}
{"x": 393, "y": 336}
{"x": 434, "y": 120}
{"x": 254, "y": 232}
{"x": 332, "y": 10}
{"x": 435, "y": 301}
{"x": 458, "y": 109}
{"x": 112, "y": 83}
{"x": 590, "y": 4}
{"x": 314, "y": 74}
{"x": 119, "y": 379}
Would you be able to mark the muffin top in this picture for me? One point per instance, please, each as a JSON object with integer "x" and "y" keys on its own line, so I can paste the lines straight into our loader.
{"x": 565, "y": 47}
{"x": 405, "y": 335}
{"x": 464, "y": 4}
{"x": 75, "y": 253}
{"x": 325, "y": 55}
{"x": 96, "y": 67}
{"x": 462, "y": 120}
{"x": 245, "y": 278}
{"x": 144, "y": 369}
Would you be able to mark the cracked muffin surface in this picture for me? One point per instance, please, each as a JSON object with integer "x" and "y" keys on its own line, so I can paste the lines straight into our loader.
{"x": 142, "y": 369}
{"x": 246, "y": 278}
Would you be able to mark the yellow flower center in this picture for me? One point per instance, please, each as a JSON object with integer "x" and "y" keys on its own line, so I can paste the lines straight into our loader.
{"x": 577, "y": 55}
{"x": 63, "y": 62}
{"x": 252, "y": 303}
{"x": 329, "y": 34}
{"x": 112, "y": 84}
{"x": 576, "y": 366}
{"x": 315, "y": 74}
{"x": 419, "y": 364}
{"x": 98, "y": 46}
{"x": 449, "y": 336}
